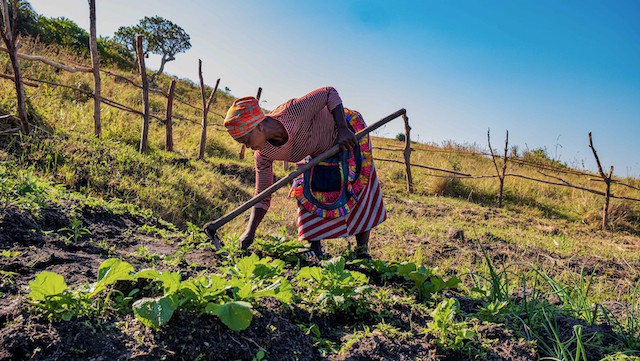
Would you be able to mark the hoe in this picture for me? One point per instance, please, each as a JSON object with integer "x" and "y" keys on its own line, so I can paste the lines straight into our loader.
{"x": 211, "y": 228}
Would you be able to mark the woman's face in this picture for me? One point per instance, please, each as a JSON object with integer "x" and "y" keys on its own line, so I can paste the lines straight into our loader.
{"x": 255, "y": 140}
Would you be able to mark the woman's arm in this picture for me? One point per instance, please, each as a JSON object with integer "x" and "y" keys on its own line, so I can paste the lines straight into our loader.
{"x": 346, "y": 138}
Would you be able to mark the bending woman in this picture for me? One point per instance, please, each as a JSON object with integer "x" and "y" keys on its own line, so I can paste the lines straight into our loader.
{"x": 308, "y": 126}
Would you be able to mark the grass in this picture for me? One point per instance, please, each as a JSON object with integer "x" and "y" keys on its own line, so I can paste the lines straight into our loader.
{"x": 544, "y": 236}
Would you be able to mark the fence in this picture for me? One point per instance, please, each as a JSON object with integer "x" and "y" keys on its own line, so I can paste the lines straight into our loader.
{"x": 502, "y": 174}
{"x": 9, "y": 36}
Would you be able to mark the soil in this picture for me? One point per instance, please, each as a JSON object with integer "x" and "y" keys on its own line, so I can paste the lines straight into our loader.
{"x": 276, "y": 330}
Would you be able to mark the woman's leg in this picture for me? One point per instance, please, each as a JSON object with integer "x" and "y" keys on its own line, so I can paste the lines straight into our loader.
{"x": 316, "y": 247}
{"x": 362, "y": 244}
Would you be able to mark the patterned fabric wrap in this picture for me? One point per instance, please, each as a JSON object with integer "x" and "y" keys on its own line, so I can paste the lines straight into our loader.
{"x": 243, "y": 116}
{"x": 355, "y": 186}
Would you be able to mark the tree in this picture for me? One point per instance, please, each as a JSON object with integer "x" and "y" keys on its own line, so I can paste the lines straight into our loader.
{"x": 27, "y": 19}
{"x": 162, "y": 37}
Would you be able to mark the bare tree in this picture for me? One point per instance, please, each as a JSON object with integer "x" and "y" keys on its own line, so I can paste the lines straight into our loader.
{"x": 95, "y": 62}
{"x": 606, "y": 178}
{"x": 9, "y": 33}
{"x": 501, "y": 175}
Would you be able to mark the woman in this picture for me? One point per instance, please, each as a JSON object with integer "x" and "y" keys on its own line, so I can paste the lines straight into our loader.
{"x": 308, "y": 126}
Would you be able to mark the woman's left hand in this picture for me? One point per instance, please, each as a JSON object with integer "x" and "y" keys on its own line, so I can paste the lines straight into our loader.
{"x": 346, "y": 139}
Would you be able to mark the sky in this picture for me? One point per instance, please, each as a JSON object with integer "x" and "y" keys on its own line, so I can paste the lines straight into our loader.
{"x": 547, "y": 71}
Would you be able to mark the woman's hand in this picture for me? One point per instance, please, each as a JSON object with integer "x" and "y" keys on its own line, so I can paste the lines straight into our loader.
{"x": 346, "y": 138}
{"x": 246, "y": 240}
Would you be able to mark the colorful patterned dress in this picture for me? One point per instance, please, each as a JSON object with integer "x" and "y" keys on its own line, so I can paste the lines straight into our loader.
{"x": 312, "y": 130}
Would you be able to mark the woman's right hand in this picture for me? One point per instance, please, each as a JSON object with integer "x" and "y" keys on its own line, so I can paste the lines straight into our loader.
{"x": 246, "y": 240}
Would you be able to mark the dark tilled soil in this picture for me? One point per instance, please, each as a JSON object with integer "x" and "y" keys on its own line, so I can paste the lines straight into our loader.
{"x": 276, "y": 329}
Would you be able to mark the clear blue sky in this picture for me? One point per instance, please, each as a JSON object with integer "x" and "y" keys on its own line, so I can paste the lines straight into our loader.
{"x": 548, "y": 71}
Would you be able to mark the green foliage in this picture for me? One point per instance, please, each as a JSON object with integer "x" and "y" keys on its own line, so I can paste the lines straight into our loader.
{"x": 627, "y": 326}
{"x": 75, "y": 231}
{"x": 425, "y": 282}
{"x": 280, "y": 247}
{"x": 456, "y": 335}
{"x": 252, "y": 278}
{"x": 10, "y": 254}
{"x": 64, "y": 32}
{"x": 331, "y": 288}
{"x": 493, "y": 311}
{"x": 401, "y": 137}
{"x": 27, "y": 18}
{"x": 161, "y": 37}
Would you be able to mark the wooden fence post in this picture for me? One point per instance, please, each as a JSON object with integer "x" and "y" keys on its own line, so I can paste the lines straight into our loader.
{"x": 168, "y": 122}
{"x": 206, "y": 103}
{"x": 607, "y": 181}
{"x": 243, "y": 147}
{"x": 9, "y": 33}
{"x": 95, "y": 62}
{"x": 144, "y": 139}
{"x": 407, "y": 153}
{"x": 501, "y": 175}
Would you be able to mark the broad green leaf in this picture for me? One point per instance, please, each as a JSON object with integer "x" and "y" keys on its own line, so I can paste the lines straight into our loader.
{"x": 170, "y": 282}
{"x": 359, "y": 277}
{"x": 453, "y": 282}
{"x": 113, "y": 270}
{"x": 418, "y": 278}
{"x": 151, "y": 274}
{"x": 235, "y": 315}
{"x": 335, "y": 265}
{"x": 405, "y": 268}
{"x": 314, "y": 273}
{"x": 284, "y": 291}
{"x": 244, "y": 268}
{"x": 154, "y": 312}
{"x": 246, "y": 291}
{"x": 45, "y": 285}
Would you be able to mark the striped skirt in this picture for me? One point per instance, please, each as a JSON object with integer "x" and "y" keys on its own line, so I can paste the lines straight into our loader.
{"x": 365, "y": 215}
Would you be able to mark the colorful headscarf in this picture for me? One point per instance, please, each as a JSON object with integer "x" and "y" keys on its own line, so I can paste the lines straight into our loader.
{"x": 244, "y": 115}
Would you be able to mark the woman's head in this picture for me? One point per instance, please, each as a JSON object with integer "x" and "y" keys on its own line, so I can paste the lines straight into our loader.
{"x": 242, "y": 119}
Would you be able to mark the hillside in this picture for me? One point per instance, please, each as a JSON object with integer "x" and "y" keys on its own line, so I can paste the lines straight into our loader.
{"x": 538, "y": 276}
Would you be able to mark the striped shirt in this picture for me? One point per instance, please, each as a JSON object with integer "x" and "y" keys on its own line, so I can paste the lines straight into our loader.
{"x": 311, "y": 130}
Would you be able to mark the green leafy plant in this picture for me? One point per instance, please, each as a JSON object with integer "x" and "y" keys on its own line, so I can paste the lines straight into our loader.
{"x": 75, "y": 231}
{"x": 627, "y": 327}
{"x": 450, "y": 333}
{"x": 280, "y": 247}
{"x": 425, "y": 282}
{"x": 251, "y": 279}
{"x": 323, "y": 345}
{"x": 332, "y": 288}
{"x": 10, "y": 254}
{"x": 493, "y": 311}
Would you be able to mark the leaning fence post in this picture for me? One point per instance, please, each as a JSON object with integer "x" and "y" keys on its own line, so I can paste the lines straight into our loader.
{"x": 607, "y": 181}
{"x": 501, "y": 175}
{"x": 168, "y": 122}
{"x": 407, "y": 152}
{"x": 9, "y": 33}
{"x": 243, "y": 147}
{"x": 206, "y": 104}
{"x": 144, "y": 141}
{"x": 95, "y": 62}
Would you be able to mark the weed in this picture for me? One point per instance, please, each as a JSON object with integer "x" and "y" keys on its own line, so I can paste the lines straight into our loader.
{"x": 452, "y": 334}
{"x": 75, "y": 231}
{"x": 331, "y": 288}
